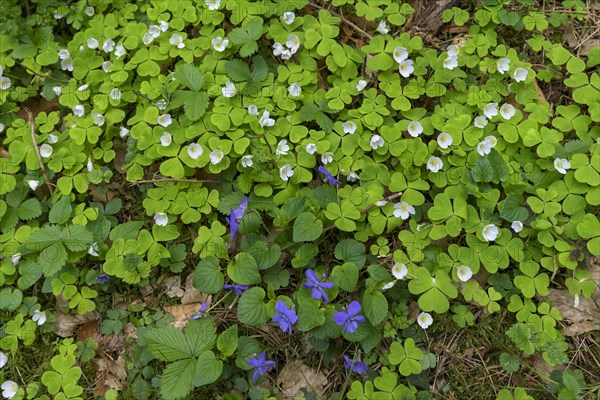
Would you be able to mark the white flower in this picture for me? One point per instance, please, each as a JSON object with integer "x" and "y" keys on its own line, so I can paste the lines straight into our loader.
{"x": 381, "y": 203}
{"x": 483, "y": 148}
{"x": 490, "y": 110}
{"x": 453, "y": 50}
{"x": 327, "y": 157}
{"x": 282, "y": 148}
{"x": 4, "y": 82}
{"x": 108, "y": 45}
{"x": 311, "y": 148}
{"x": 382, "y": 27}
{"x": 154, "y": 30}
{"x": 450, "y": 63}
{"x": 517, "y": 226}
{"x": 57, "y": 90}
{"x": 434, "y": 164}
{"x": 165, "y": 120}
{"x": 123, "y": 132}
{"x": 289, "y": 17}
{"x": 376, "y": 142}
{"x": 415, "y": 128}
{"x": 265, "y": 120}
{"x": 295, "y": 90}
{"x": 92, "y": 43}
{"x": 33, "y": 184}
{"x": 503, "y": 65}
{"x": 277, "y": 49}
{"x": 164, "y": 25}
{"x": 491, "y": 141}
{"x": 3, "y": 359}
{"x": 388, "y": 285}
{"x": 444, "y": 140}
{"x": 177, "y": 40}
{"x": 147, "y": 38}
{"x": 400, "y": 54}
{"x": 403, "y": 210}
{"x": 83, "y": 87}
{"x": 64, "y": 54}
{"x": 166, "y": 139}
{"x": 161, "y": 219}
{"x": 194, "y": 150}
{"x": 119, "y": 51}
{"x": 90, "y": 164}
{"x": 406, "y": 68}
{"x": 161, "y": 105}
{"x": 93, "y": 250}
{"x": 213, "y": 4}
{"x": 46, "y": 150}
{"x": 562, "y": 165}
{"x": 520, "y": 74}
{"x": 399, "y": 271}
{"x": 106, "y": 66}
{"x": 293, "y": 43}
{"x": 98, "y": 119}
{"x": 115, "y": 94}
{"x": 216, "y": 156}
{"x": 507, "y": 111}
{"x": 89, "y": 11}
{"x": 490, "y": 232}
{"x": 58, "y": 15}
{"x": 349, "y": 127}
{"x": 9, "y": 389}
{"x": 229, "y": 90}
{"x": 352, "y": 177}
{"x": 1, "y": 127}
{"x": 464, "y": 273}
{"x": 15, "y": 258}
{"x": 52, "y": 138}
{"x": 67, "y": 64}
{"x": 220, "y": 44}
{"x": 252, "y": 110}
{"x": 286, "y": 172}
{"x": 247, "y": 161}
{"x": 480, "y": 122}
{"x": 361, "y": 85}
{"x": 576, "y": 301}
{"x": 39, "y": 317}
{"x": 424, "y": 320}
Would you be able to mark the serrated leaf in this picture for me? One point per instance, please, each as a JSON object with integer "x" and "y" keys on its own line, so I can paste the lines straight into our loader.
{"x": 247, "y": 37}
{"x": 201, "y": 335}
{"x": 190, "y": 76}
{"x": 77, "y": 237}
{"x": 194, "y": 103}
{"x": 208, "y": 277}
{"x": 176, "y": 380}
{"x": 167, "y": 344}
{"x": 238, "y": 70}
{"x": 29, "y": 209}
{"x": 52, "y": 258}
{"x": 44, "y": 237}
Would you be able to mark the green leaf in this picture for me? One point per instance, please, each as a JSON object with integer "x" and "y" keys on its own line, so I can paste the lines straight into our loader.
{"x": 10, "y": 299}
{"x": 228, "y": 341}
{"x": 251, "y": 308}
{"x": 61, "y": 211}
{"x": 238, "y": 70}
{"x": 167, "y": 344}
{"x": 247, "y": 37}
{"x": 208, "y": 277}
{"x": 190, "y": 76}
{"x": 29, "y": 273}
{"x": 52, "y": 259}
{"x": 127, "y": 230}
{"x": 307, "y": 228}
{"x": 29, "y": 209}
{"x": 375, "y": 306}
{"x": 309, "y": 314}
{"x": 350, "y": 250}
{"x": 176, "y": 380}
{"x": 208, "y": 369}
{"x": 512, "y": 209}
{"x": 264, "y": 255}
{"x": 77, "y": 237}
{"x": 201, "y": 335}
{"x": 345, "y": 276}
{"x": 482, "y": 170}
{"x": 244, "y": 270}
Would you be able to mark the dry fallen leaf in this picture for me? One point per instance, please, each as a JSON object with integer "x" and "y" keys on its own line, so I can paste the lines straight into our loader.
{"x": 191, "y": 295}
{"x": 295, "y": 376}
{"x": 183, "y": 312}
{"x": 172, "y": 286}
{"x": 110, "y": 374}
{"x": 66, "y": 324}
{"x": 581, "y": 319}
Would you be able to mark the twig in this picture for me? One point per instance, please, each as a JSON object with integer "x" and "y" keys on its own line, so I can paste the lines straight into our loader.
{"x": 365, "y": 34}
{"x": 171, "y": 180}
{"x": 388, "y": 198}
{"x": 143, "y": 95}
{"x": 41, "y": 75}
{"x": 37, "y": 150}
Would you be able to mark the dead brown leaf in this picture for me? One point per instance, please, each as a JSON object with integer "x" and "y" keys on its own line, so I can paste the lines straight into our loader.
{"x": 581, "y": 319}
{"x": 183, "y": 312}
{"x": 295, "y": 376}
{"x": 110, "y": 374}
{"x": 172, "y": 286}
{"x": 191, "y": 294}
{"x": 66, "y": 324}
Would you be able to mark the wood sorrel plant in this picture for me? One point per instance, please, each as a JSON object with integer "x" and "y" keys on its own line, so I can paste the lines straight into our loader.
{"x": 260, "y": 149}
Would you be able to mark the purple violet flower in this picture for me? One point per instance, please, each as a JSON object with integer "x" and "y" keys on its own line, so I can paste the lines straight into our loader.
{"x": 349, "y": 317}
{"x": 102, "y": 278}
{"x": 317, "y": 286}
{"x": 237, "y": 289}
{"x": 356, "y": 366}
{"x": 285, "y": 317}
{"x": 261, "y": 365}
{"x": 202, "y": 312}
{"x": 330, "y": 178}
{"x": 235, "y": 215}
